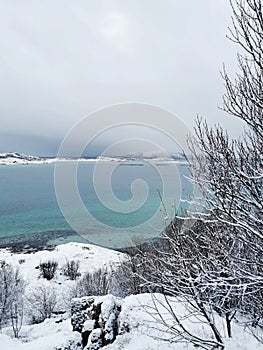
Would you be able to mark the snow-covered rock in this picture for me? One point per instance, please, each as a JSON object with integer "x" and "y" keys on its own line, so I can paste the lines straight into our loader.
{"x": 88, "y": 326}
{"x": 95, "y": 340}
{"x": 93, "y": 313}
{"x": 110, "y": 309}
{"x": 82, "y": 311}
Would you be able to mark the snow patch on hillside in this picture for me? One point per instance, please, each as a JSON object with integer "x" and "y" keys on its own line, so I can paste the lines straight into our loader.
{"x": 90, "y": 258}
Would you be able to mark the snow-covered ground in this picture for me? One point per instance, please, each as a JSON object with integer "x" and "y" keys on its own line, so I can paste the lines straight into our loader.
{"x": 48, "y": 334}
{"x": 44, "y": 336}
{"x": 146, "y": 331}
{"x": 90, "y": 257}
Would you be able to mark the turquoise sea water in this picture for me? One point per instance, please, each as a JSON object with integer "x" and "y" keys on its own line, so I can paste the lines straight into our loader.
{"x": 29, "y": 212}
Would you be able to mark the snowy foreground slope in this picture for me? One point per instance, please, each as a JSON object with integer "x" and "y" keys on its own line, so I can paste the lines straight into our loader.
{"x": 140, "y": 324}
{"x": 134, "y": 319}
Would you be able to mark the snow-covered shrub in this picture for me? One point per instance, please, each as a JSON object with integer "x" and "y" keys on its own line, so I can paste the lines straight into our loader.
{"x": 42, "y": 302}
{"x": 48, "y": 269}
{"x": 71, "y": 269}
{"x": 94, "y": 283}
{"x": 125, "y": 279}
{"x": 96, "y": 318}
{"x": 11, "y": 296}
{"x": 68, "y": 293}
{"x": 17, "y": 313}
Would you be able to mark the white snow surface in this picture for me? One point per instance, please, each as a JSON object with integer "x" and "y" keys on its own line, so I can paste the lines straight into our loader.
{"x": 44, "y": 336}
{"x": 146, "y": 331}
{"x": 90, "y": 258}
{"x": 48, "y": 334}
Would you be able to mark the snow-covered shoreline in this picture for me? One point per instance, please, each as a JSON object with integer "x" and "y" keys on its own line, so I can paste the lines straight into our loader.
{"x": 23, "y": 159}
{"x": 14, "y": 158}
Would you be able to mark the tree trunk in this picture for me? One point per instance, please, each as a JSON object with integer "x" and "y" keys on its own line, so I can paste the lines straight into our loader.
{"x": 228, "y": 325}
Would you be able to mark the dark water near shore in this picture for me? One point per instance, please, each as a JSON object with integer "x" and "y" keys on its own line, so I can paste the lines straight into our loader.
{"x": 30, "y": 216}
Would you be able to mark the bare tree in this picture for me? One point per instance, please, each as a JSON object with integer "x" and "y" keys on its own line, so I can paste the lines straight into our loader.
{"x": 48, "y": 269}
{"x": 11, "y": 291}
{"x": 94, "y": 283}
{"x": 179, "y": 266}
{"x": 213, "y": 260}
{"x": 229, "y": 173}
{"x": 71, "y": 269}
{"x": 17, "y": 315}
{"x": 42, "y": 302}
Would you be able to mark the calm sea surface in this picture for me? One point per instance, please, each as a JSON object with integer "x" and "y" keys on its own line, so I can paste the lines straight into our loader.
{"x": 30, "y": 215}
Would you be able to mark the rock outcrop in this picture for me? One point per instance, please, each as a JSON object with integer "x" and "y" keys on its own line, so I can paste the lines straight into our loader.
{"x": 96, "y": 318}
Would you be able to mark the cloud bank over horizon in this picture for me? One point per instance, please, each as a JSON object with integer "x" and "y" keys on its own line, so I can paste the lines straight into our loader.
{"x": 61, "y": 61}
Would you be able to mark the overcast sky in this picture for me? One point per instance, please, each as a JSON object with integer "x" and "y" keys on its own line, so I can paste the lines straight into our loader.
{"x": 61, "y": 60}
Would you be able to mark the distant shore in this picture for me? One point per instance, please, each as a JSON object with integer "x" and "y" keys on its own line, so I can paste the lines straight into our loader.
{"x": 21, "y": 159}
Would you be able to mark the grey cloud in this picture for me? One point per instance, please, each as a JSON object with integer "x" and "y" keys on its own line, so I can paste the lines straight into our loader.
{"x": 60, "y": 60}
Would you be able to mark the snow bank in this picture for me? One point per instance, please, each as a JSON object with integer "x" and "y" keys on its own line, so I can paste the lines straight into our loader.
{"x": 45, "y": 336}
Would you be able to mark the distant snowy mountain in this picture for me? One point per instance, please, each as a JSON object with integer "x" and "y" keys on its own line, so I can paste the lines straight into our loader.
{"x": 155, "y": 155}
{"x": 146, "y": 156}
{"x": 18, "y": 156}
{"x": 12, "y": 158}
{"x": 15, "y": 157}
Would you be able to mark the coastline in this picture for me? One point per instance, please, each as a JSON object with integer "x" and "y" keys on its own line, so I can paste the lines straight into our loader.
{"x": 15, "y": 158}
{"x": 38, "y": 241}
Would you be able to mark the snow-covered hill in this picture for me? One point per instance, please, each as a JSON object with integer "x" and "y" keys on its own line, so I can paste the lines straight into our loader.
{"x": 18, "y": 158}
{"x": 90, "y": 258}
{"x": 139, "y": 322}
{"x": 57, "y": 330}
